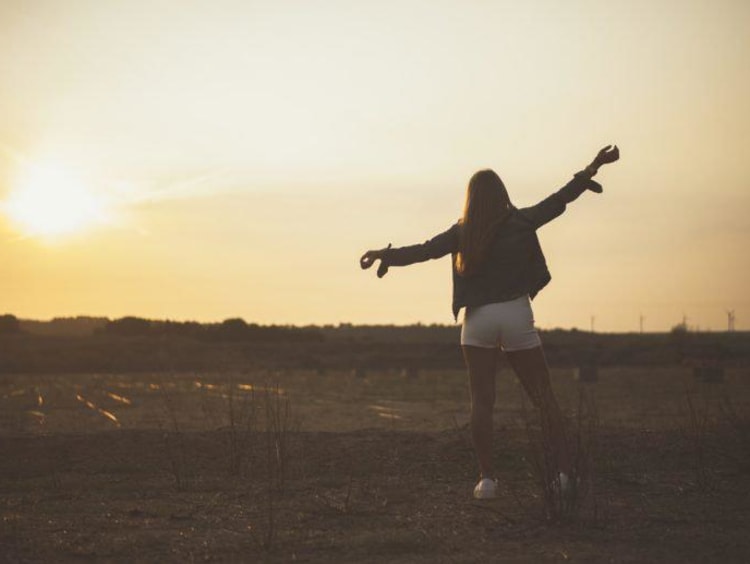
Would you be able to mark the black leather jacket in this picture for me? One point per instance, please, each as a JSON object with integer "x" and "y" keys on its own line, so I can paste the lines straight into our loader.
{"x": 515, "y": 265}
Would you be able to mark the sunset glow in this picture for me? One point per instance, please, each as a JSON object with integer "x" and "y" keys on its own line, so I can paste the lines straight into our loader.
{"x": 237, "y": 158}
{"x": 49, "y": 201}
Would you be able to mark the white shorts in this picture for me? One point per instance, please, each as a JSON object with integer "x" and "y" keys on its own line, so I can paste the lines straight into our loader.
{"x": 509, "y": 325}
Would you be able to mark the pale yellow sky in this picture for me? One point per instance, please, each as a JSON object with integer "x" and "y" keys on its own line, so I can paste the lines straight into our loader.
{"x": 235, "y": 158}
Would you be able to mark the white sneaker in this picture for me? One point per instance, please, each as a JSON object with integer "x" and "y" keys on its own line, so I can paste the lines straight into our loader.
{"x": 485, "y": 489}
{"x": 564, "y": 483}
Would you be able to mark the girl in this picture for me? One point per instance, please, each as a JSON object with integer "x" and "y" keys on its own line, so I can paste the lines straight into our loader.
{"x": 498, "y": 267}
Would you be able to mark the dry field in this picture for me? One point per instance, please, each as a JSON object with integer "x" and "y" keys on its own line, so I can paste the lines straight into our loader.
{"x": 345, "y": 467}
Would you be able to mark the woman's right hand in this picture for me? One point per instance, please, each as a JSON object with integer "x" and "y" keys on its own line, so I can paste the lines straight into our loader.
{"x": 369, "y": 258}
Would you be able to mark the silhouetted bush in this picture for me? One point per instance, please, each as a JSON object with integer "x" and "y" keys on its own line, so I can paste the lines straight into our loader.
{"x": 9, "y": 324}
{"x": 79, "y": 326}
{"x": 128, "y": 327}
{"x": 234, "y": 329}
{"x": 191, "y": 329}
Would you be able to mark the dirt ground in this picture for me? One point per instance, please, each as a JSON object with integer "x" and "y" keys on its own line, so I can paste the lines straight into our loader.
{"x": 340, "y": 467}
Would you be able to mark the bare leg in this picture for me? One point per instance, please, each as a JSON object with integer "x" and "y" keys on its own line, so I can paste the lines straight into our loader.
{"x": 531, "y": 368}
{"x": 482, "y": 363}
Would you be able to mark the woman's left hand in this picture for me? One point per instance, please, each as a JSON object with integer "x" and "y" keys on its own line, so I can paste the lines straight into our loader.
{"x": 607, "y": 155}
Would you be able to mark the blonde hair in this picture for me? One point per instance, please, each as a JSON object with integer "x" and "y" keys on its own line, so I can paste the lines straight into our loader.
{"x": 487, "y": 205}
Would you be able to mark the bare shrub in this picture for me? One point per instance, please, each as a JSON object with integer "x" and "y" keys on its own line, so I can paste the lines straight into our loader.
{"x": 277, "y": 426}
{"x": 740, "y": 425}
{"x": 210, "y": 409}
{"x": 174, "y": 439}
{"x": 696, "y": 430}
{"x": 586, "y": 453}
{"x": 242, "y": 411}
{"x": 563, "y": 502}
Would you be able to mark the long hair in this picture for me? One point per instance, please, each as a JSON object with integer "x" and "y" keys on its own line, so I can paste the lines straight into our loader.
{"x": 487, "y": 206}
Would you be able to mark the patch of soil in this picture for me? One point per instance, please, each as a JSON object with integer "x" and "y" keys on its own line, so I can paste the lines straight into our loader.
{"x": 367, "y": 496}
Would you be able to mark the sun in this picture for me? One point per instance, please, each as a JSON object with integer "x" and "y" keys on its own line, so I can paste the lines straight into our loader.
{"x": 49, "y": 200}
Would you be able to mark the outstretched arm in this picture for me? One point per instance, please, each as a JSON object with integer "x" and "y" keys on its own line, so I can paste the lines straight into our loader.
{"x": 439, "y": 246}
{"x": 554, "y": 205}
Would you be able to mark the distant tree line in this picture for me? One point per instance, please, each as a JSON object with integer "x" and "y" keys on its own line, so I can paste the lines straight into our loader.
{"x": 229, "y": 330}
{"x": 135, "y": 344}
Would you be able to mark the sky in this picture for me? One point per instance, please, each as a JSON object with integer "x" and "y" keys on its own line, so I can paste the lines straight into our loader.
{"x": 207, "y": 160}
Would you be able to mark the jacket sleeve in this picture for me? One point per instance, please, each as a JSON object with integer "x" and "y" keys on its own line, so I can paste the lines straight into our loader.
{"x": 439, "y": 246}
{"x": 552, "y": 206}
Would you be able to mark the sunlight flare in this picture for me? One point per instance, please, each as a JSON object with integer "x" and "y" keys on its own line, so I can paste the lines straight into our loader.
{"x": 119, "y": 398}
{"x": 50, "y": 200}
{"x": 103, "y": 412}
